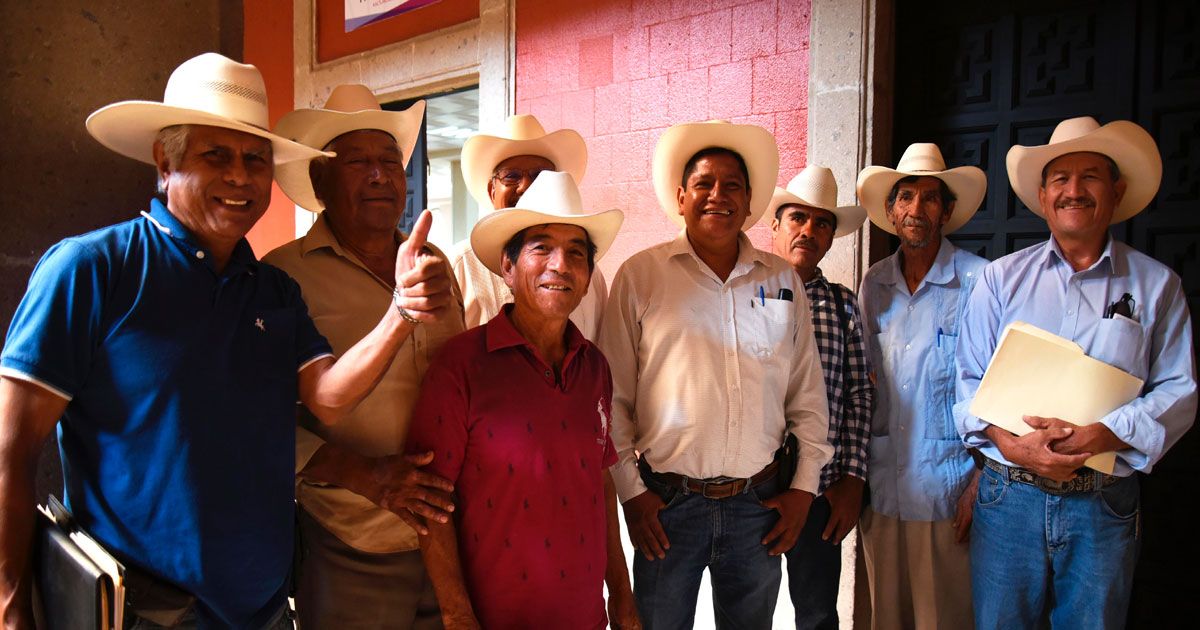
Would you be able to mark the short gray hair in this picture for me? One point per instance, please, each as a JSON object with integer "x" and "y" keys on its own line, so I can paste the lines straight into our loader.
{"x": 174, "y": 140}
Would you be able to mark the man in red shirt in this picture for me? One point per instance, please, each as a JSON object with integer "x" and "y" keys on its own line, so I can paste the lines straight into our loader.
{"x": 517, "y": 414}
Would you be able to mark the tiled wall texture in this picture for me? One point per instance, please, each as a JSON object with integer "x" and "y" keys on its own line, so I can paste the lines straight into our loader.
{"x": 620, "y": 73}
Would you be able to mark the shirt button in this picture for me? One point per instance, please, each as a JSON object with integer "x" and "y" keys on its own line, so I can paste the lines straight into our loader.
{"x": 910, "y": 308}
{"x": 547, "y": 373}
{"x": 200, "y": 255}
{"x": 1070, "y": 312}
{"x": 908, "y": 346}
{"x": 905, "y": 386}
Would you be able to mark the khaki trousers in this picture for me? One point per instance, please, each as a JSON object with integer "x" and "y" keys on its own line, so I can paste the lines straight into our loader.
{"x": 342, "y": 587}
{"x": 919, "y": 577}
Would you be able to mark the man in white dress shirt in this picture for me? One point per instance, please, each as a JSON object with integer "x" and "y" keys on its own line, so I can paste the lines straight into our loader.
{"x": 714, "y": 365}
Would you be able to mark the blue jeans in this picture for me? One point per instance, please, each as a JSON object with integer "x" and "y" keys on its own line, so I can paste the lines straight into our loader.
{"x": 814, "y": 567}
{"x": 724, "y": 535}
{"x": 1067, "y": 559}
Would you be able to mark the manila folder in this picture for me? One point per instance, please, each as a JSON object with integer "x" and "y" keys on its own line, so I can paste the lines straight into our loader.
{"x": 1037, "y": 373}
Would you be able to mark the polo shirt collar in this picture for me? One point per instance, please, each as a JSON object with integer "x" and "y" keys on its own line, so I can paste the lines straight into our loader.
{"x": 161, "y": 218}
{"x": 1112, "y": 258}
{"x": 320, "y": 236}
{"x": 501, "y": 333}
{"x": 818, "y": 279}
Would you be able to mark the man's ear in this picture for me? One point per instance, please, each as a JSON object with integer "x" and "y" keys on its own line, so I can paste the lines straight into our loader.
{"x": 1119, "y": 191}
{"x": 679, "y": 198}
{"x": 316, "y": 173}
{"x": 948, "y": 212}
{"x": 162, "y": 165}
{"x": 508, "y": 270}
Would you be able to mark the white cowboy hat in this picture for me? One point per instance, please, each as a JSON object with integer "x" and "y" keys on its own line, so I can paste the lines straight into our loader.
{"x": 552, "y": 198}
{"x": 922, "y": 159}
{"x": 816, "y": 187}
{"x": 350, "y": 107}
{"x": 522, "y": 135}
{"x": 205, "y": 90}
{"x": 680, "y": 142}
{"x": 1124, "y": 142}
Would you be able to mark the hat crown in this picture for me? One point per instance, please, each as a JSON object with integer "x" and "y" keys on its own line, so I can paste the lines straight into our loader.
{"x": 350, "y": 98}
{"x": 218, "y": 85}
{"x": 921, "y": 157}
{"x": 554, "y": 193}
{"x": 1072, "y": 128}
{"x": 816, "y": 185}
{"x": 524, "y": 127}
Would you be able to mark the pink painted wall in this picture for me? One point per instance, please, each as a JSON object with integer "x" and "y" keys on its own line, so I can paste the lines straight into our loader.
{"x": 621, "y": 72}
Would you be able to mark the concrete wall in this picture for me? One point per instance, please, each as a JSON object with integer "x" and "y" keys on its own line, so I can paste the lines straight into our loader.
{"x": 59, "y": 61}
{"x": 620, "y": 73}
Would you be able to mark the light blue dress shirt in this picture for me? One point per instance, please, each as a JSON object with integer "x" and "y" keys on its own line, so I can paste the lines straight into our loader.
{"x": 1038, "y": 286}
{"x": 918, "y": 465}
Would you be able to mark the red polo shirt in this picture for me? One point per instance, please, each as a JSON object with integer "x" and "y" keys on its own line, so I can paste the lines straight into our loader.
{"x": 525, "y": 453}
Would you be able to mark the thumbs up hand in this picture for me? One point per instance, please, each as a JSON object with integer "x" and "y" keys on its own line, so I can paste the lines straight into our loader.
{"x": 422, "y": 283}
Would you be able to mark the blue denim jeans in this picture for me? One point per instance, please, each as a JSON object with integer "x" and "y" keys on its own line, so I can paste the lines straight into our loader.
{"x": 724, "y": 535}
{"x": 281, "y": 620}
{"x": 814, "y": 567}
{"x": 1066, "y": 559}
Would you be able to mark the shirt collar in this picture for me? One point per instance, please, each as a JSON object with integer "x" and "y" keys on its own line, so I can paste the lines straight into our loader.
{"x": 818, "y": 279}
{"x": 1112, "y": 258}
{"x": 748, "y": 254}
{"x": 320, "y": 236}
{"x": 160, "y": 217}
{"x": 941, "y": 272}
{"x": 501, "y": 334}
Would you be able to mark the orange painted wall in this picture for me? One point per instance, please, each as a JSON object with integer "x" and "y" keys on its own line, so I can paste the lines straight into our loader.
{"x": 622, "y": 72}
{"x": 268, "y": 45}
{"x": 333, "y": 41}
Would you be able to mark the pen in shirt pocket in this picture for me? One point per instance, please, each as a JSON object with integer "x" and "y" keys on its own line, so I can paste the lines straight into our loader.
{"x": 939, "y": 336}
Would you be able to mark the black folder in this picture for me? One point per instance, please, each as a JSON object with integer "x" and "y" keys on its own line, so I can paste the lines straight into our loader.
{"x": 74, "y": 588}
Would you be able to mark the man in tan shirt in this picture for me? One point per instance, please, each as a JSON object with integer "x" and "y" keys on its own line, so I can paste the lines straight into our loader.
{"x": 360, "y": 563}
{"x": 497, "y": 170}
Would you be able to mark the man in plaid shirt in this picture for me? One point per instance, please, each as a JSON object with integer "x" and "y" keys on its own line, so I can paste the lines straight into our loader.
{"x": 806, "y": 220}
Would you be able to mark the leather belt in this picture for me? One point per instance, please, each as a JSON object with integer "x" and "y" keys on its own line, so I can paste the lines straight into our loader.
{"x": 720, "y": 488}
{"x": 1086, "y": 481}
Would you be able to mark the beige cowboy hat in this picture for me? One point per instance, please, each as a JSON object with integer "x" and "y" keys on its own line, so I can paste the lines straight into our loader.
{"x": 350, "y": 107}
{"x": 1126, "y": 143}
{"x": 968, "y": 184}
{"x": 552, "y": 198}
{"x": 522, "y": 135}
{"x": 816, "y": 187}
{"x": 680, "y": 142}
{"x": 209, "y": 89}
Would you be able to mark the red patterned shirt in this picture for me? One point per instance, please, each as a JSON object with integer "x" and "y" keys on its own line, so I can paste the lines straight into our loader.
{"x": 525, "y": 451}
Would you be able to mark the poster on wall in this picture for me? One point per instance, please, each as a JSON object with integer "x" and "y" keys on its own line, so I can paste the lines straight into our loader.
{"x": 360, "y": 13}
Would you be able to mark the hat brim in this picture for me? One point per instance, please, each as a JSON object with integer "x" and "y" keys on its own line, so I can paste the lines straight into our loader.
{"x": 482, "y": 153}
{"x": 968, "y": 183}
{"x": 1126, "y": 143}
{"x": 494, "y": 230}
{"x": 318, "y": 127}
{"x": 849, "y": 218}
{"x": 679, "y": 143}
{"x": 130, "y": 127}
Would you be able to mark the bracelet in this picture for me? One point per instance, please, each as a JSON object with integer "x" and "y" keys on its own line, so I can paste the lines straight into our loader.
{"x": 400, "y": 309}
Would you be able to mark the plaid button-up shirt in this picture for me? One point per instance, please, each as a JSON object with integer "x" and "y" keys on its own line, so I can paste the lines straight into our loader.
{"x": 844, "y": 363}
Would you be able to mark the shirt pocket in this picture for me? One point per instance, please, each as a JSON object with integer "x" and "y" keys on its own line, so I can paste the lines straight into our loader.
{"x": 771, "y": 328}
{"x": 940, "y": 423}
{"x": 1119, "y": 343}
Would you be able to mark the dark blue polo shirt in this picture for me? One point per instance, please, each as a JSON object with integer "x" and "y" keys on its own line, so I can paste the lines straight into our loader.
{"x": 178, "y": 441}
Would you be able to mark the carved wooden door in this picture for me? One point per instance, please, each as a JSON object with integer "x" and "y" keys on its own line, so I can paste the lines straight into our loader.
{"x": 978, "y": 77}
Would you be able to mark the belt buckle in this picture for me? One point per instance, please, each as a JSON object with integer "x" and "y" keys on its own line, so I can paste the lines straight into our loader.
{"x": 1060, "y": 488}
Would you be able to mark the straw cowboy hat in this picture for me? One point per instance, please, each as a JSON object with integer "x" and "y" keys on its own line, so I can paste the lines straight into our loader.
{"x": 816, "y": 187}
{"x": 552, "y": 198}
{"x": 522, "y": 135}
{"x": 679, "y": 143}
{"x": 205, "y": 90}
{"x": 968, "y": 184}
{"x": 1124, "y": 142}
{"x": 349, "y": 108}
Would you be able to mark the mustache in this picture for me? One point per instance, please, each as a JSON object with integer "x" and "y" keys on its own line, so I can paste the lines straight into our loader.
{"x": 921, "y": 222}
{"x": 1084, "y": 201}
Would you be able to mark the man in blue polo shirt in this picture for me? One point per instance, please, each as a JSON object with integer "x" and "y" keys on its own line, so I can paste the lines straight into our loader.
{"x": 171, "y": 361}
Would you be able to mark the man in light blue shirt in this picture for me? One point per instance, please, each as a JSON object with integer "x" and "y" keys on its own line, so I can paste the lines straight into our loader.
{"x": 1079, "y": 528}
{"x": 921, "y": 477}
